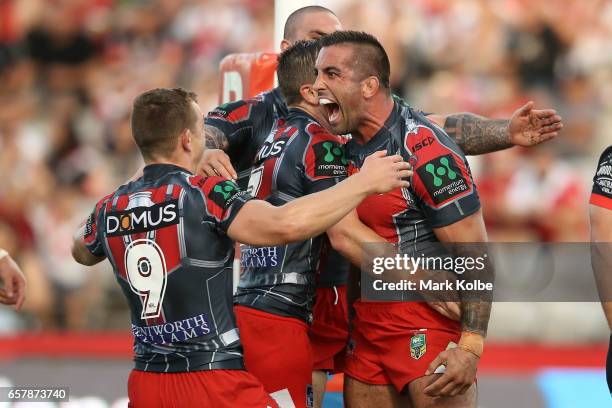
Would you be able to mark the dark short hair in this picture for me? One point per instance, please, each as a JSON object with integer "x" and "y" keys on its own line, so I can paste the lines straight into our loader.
{"x": 371, "y": 58}
{"x": 296, "y": 67}
{"x": 294, "y": 18}
{"x": 159, "y": 116}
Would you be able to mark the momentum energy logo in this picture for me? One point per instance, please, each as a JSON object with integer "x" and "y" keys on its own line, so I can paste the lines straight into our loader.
{"x": 442, "y": 178}
{"x": 142, "y": 219}
{"x": 224, "y": 193}
{"x": 330, "y": 159}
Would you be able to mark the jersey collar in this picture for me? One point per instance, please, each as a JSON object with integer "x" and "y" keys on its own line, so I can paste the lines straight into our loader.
{"x": 384, "y": 133}
{"x": 157, "y": 170}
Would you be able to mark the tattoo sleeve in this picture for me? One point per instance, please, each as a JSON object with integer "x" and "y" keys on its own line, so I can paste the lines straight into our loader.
{"x": 215, "y": 138}
{"x": 476, "y": 134}
{"x": 475, "y": 317}
{"x": 476, "y": 305}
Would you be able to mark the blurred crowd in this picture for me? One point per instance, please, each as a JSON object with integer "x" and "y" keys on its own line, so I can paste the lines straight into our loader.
{"x": 69, "y": 70}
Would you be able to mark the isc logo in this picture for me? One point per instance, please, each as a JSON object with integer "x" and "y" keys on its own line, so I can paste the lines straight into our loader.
{"x": 423, "y": 143}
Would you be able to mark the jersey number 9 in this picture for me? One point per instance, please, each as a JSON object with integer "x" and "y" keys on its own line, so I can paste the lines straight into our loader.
{"x": 146, "y": 271}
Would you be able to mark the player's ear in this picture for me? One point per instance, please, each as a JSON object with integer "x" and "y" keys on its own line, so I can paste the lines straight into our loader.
{"x": 284, "y": 44}
{"x": 309, "y": 94}
{"x": 185, "y": 139}
{"x": 370, "y": 86}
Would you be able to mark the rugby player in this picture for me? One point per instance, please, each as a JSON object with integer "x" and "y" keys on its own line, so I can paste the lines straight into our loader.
{"x": 275, "y": 293}
{"x": 396, "y": 346}
{"x": 601, "y": 237}
{"x": 12, "y": 281}
{"x": 241, "y": 128}
{"x": 168, "y": 236}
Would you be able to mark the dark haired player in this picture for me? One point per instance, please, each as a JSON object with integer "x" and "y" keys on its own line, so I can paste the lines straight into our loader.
{"x": 601, "y": 238}
{"x": 395, "y": 345}
{"x": 168, "y": 236}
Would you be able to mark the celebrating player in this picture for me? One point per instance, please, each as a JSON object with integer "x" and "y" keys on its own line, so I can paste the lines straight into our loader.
{"x": 168, "y": 236}
{"x": 382, "y": 369}
{"x": 601, "y": 238}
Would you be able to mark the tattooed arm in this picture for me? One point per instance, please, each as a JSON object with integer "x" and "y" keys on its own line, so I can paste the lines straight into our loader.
{"x": 478, "y": 135}
{"x": 215, "y": 138}
{"x": 461, "y": 362}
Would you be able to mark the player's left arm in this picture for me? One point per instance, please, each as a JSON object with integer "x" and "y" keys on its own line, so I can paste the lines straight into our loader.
{"x": 601, "y": 254}
{"x": 86, "y": 246}
{"x": 445, "y": 192}
{"x": 479, "y": 135}
{"x": 601, "y": 231}
{"x": 461, "y": 362}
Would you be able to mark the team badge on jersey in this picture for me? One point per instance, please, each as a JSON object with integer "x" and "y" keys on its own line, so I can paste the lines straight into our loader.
{"x": 442, "y": 178}
{"x": 330, "y": 159}
{"x": 418, "y": 346}
{"x": 224, "y": 193}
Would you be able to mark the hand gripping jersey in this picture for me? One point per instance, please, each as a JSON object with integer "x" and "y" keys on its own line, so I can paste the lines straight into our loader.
{"x": 441, "y": 190}
{"x": 165, "y": 237}
{"x": 602, "y": 182}
{"x": 298, "y": 158}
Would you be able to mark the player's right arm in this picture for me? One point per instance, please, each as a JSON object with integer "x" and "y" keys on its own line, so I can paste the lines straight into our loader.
{"x": 260, "y": 223}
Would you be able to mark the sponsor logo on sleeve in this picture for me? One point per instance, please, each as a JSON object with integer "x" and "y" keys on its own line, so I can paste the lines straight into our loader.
{"x": 330, "y": 159}
{"x": 142, "y": 219}
{"x": 89, "y": 225}
{"x": 442, "y": 178}
{"x": 603, "y": 177}
{"x": 224, "y": 193}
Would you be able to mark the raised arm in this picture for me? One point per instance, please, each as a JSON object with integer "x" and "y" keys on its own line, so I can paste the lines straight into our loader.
{"x": 479, "y": 135}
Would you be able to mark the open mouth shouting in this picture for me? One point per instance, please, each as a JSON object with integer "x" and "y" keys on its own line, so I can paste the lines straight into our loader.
{"x": 332, "y": 109}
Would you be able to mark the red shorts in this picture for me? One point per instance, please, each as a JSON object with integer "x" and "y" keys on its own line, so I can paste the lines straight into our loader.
{"x": 214, "y": 388}
{"x": 277, "y": 351}
{"x": 329, "y": 330}
{"x": 394, "y": 343}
